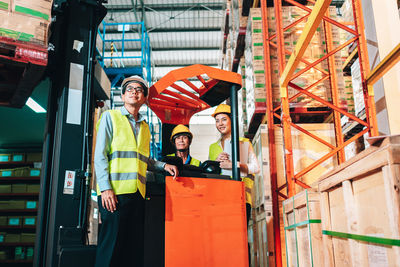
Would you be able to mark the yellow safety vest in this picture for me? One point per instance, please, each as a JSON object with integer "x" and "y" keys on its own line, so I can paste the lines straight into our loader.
{"x": 215, "y": 149}
{"x": 193, "y": 161}
{"x": 128, "y": 156}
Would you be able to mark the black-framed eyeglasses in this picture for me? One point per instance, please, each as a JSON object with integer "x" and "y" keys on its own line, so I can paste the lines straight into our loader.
{"x": 137, "y": 89}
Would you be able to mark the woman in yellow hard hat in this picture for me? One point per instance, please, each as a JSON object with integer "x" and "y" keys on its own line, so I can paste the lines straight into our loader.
{"x": 181, "y": 138}
{"x": 221, "y": 151}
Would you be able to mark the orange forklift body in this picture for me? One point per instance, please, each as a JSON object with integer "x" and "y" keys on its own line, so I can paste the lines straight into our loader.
{"x": 205, "y": 218}
{"x": 205, "y": 222}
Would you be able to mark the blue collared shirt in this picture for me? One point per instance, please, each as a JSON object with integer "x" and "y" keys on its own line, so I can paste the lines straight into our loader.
{"x": 103, "y": 147}
{"x": 189, "y": 158}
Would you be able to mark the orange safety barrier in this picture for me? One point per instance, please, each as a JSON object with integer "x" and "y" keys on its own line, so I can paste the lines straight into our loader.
{"x": 205, "y": 223}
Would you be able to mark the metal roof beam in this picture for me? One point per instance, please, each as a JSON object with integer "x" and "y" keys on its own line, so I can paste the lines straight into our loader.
{"x": 172, "y": 49}
{"x": 180, "y": 65}
{"x": 168, "y": 7}
{"x": 161, "y": 30}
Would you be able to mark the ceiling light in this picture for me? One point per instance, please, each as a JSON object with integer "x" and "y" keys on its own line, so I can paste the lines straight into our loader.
{"x": 35, "y": 106}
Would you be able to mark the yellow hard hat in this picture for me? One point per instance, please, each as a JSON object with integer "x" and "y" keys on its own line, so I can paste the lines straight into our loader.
{"x": 180, "y": 129}
{"x": 222, "y": 108}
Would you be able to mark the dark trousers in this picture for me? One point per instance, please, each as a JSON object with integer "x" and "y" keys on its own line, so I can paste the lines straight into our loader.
{"x": 121, "y": 237}
{"x": 248, "y": 214}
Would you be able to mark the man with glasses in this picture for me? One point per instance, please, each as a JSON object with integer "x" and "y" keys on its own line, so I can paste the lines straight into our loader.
{"x": 122, "y": 156}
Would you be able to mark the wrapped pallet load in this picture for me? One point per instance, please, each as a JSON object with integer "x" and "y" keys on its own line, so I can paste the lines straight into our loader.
{"x": 26, "y": 21}
{"x": 255, "y": 76}
{"x": 242, "y": 100}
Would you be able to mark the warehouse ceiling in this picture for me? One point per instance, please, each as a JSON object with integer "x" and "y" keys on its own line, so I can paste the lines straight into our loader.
{"x": 181, "y": 32}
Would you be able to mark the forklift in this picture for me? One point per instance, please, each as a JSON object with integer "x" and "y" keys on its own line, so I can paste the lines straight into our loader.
{"x": 199, "y": 219}
{"x": 202, "y": 214}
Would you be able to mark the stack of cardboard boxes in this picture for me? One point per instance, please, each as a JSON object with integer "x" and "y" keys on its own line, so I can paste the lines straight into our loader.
{"x": 26, "y": 21}
{"x": 243, "y": 130}
{"x": 19, "y": 187}
{"x": 254, "y": 62}
{"x": 254, "y": 55}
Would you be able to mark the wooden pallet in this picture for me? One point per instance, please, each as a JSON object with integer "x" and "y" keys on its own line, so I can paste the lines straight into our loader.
{"x": 360, "y": 207}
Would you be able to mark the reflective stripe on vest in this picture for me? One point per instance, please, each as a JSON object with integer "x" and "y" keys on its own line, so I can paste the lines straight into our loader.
{"x": 193, "y": 161}
{"x": 128, "y": 156}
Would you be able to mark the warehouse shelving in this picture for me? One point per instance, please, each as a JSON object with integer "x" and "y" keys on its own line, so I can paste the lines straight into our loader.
{"x": 27, "y": 211}
{"x": 287, "y": 72}
{"x": 16, "y": 261}
{"x": 18, "y": 227}
{"x": 18, "y": 194}
{"x": 19, "y": 179}
{"x": 19, "y": 210}
{"x": 14, "y": 163}
{"x": 14, "y": 244}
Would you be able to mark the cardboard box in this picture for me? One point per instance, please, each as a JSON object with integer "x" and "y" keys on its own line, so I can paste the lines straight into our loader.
{"x": 5, "y": 5}
{"x": 12, "y": 238}
{"x": 5, "y": 188}
{"x": 33, "y": 188}
{"x": 18, "y": 188}
{"x": 40, "y": 9}
{"x": 262, "y": 182}
{"x": 4, "y": 204}
{"x": 3, "y": 220}
{"x": 28, "y": 238}
{"x": 33, "y": 157}
{"x": 23, "y": 28}
{"x": 16, "y": 204}
{"x": 21, "y": 172}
